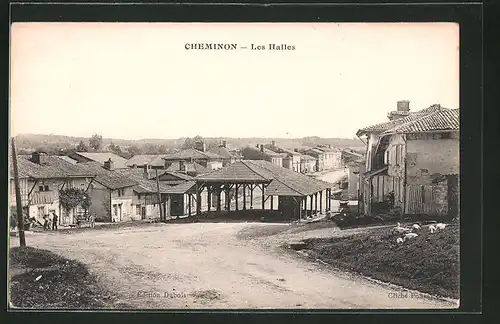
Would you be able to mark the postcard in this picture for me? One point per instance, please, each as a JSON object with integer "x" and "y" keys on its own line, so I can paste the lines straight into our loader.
{"x": 189, "y": 166}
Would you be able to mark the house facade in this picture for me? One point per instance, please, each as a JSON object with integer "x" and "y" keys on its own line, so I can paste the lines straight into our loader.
{"x": 307, "y": 163}
{"x": 198, "y": 155}
{"x": 228, "y": 155}
{"x": 261, "y": 153}
{"x": 416, "y": 159}
{"x": 332, "y": 157}
{"x": 40, "y": 179}
{"x": 111, "y": 193}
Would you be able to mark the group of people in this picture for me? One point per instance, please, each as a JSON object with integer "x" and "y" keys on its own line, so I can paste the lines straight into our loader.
{"x": 50, "y": 223}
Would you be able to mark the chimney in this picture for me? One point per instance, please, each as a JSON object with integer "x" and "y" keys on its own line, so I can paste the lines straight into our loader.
{"x": 261, "y": 148}
{"x": 200, "y": 146}
{"x": 182, "y": 166}
{"x": 273, "y": 144}
{"x": 224, "y": 143}
{"x": 403, "y": 105}
{"x": 108, "y": 164}
{"x": 145, "y": 173}
{"x": 35, "y": 157}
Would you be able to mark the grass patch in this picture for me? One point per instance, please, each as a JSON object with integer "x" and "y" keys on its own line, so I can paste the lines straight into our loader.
{"x": 63, "y": 284}
{"x": 428, "y": 263}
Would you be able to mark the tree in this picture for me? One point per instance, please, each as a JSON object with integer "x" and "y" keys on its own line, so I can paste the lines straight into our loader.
{"x": 81, "y": 147}
{"x": 95, "y": 142}
{"x": 188, "y": 143}
{"x": 134, "y": 150}
{"x": 162, "y": 149}
{"x": 70, "y": 198}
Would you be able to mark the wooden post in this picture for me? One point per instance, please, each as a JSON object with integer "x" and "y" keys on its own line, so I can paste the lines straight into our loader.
{"x": 19, "y": 206}
{"x": 236, "y": 196}
{"x": 311, "y": 204}
{"x": 316, "y": 203}
{"x": 209, "y": 197}
{"x": 321, "y": 201}
{"x": 228, "y": 198}
{"x": 199, "y": 189}
{"x": 300, "y": 208}
{"x": 189, "y": 205}
{"x": 263, "y": 200}
{"x": 159, "y": 196}
{"x": 244, "y": 197}
{"x": 251, "y": 196}
{"x": 272, "y": 202}
{"x": 219, "y": 189}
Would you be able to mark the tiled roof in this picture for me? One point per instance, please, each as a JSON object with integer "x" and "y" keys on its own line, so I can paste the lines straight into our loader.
{"x": 140, "y": 160}
{"x": 182, "y": 188}
{"x": 222, "y": 151}
{"x": 110, "y": 179}
{"x": 190, "y": 167}
{"x": 118, "y": 161}
{"x": 438, "y": 121}
{"x": 50, "y": 166}
{"x": 239, "y": 171}
{"x": 192, "y": 154}
{"x": 290, "y": 152}
{"x": 67, "y": 159}
{"x": 282, "y": 181}
{"x": 146, "y": 185}
{"x": 290, "y": 183}
{"x": 382, "y": 127}
{"x": 327, "y": 149}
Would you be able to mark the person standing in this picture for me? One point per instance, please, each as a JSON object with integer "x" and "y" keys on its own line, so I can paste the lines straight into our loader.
{"x": 45, "y": 223}
{"x": 54, "y": 221}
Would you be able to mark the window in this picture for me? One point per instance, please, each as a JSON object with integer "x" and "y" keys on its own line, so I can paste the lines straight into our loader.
{"x": 43, "y": 187}
{"x": 386, "y": 157}
{"x": 121, "y": 192}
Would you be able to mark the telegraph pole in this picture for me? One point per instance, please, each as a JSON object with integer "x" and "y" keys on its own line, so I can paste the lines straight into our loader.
{"x": 20, "y": 216}
{"x": 159, "y": 196}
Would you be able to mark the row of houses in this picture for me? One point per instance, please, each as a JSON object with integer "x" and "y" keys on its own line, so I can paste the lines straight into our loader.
{"x": 320, "y": 158}
{"x": 413, "y": 160}
{"x": 123, "y": 194}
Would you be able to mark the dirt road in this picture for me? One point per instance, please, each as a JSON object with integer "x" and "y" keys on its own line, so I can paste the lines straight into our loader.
{"x": 209, "y": 265}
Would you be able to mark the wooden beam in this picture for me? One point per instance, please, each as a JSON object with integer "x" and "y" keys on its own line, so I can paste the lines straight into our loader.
{"x": 263, "y": 198}
{"x": 236, "y": 196}
{"x": 209, "y": 197}
{"x": 91, "y": 181}
{"x": 251, "y": 196}
{"x": 316, "y": 203}
{"x": 198, "y": 201}
{"x": 34, "y": 185}
{"x": 219, "y": 198}
{"x": 321, "y": 201}
{"x": 244, "y": 197}
{"x": 228, "y": 199}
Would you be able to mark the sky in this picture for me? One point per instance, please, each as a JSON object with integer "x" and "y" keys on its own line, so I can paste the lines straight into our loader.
{"x": 137, "y": 80}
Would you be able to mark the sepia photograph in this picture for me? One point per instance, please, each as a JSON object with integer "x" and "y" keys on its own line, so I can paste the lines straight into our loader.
{"x": 252, "y": 166}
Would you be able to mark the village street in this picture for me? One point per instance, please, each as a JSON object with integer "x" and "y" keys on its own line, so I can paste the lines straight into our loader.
{"x": 332, "y": 176}
{"x": 212, "y": 265}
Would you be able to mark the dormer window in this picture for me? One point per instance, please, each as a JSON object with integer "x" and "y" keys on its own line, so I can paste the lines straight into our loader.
{"x": 43, "y": 187}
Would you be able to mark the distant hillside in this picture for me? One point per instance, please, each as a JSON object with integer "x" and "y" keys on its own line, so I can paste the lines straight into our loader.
{"x": 53, "y": 142}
